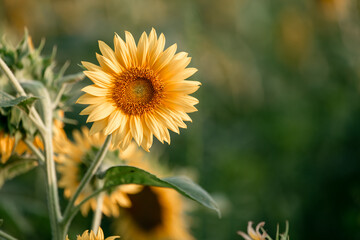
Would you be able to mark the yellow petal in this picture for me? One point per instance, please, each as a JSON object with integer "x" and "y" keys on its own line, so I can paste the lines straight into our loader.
{"x": 164, "y": 58}
{"x": 90, "y": 99}
{"x": 100, "y": 234}
{"x": 101, "y": 79}
{"x": 107, "y": 52}
{"x": 166, "y": 120}
{"x": 131, "y": 46}
{"x": 94, "y": 90}
{"x": 152, "y": 125}
{"x": 182, "y": 75}
{"x": 88, "y": 109}
{"x": 183, "y": 87}
{"x": 121, "y": 52}
{"x": 142, "y": 49}
{"x": 115, "y": 119}
{"x": 90, "y": 66}
{"x": 147, "y": 139}
{"x": 136, "y": 129}
{"x": 108, "y": 65}
{"x": 100, "y": 112}
{"x": 156, "y": 50}
{"x": 98, "y": 126}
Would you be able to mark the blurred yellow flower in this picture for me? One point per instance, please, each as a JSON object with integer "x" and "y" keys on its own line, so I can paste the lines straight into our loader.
{"x": 155, "y": 213}
{"x": 139, "y": 91}
{"x": 334, "y": 9}
{"x": 254, "y": 234}
{"x": 91, "y": 236}
{"x": 73, "y": 159}
{"x": 7, "y": 146}
{"x": 7, "y": 142}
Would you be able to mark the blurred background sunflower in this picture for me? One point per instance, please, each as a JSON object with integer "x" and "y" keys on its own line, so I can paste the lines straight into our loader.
{"x": 277, "y": 134}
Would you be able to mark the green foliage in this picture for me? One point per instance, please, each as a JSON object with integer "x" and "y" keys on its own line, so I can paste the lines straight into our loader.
{"x": 14, "y": 167}
{"x": 118, "y": 175}
{"x": 23, "y": 102}
{"x": 283, "y": 236}
{"x": 14, "y": 113}
{"x": 28, "y": 64}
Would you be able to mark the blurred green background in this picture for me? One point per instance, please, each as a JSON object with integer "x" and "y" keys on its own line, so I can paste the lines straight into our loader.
{"x": 277, "y": 135}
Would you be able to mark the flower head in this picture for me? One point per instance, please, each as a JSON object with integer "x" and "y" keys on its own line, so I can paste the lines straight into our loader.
{"x": 139, "y": 91}
{"x": 73, "y": 159}
{"x": 155, "y": 214}
{"x": 91, "y": 236}
{"x": 254, "y": 234}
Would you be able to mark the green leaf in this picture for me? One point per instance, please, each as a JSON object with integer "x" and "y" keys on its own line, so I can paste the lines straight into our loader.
{"x": 7, "y": 100}
{"x": 14, "y": 168}
{"x": 118, "y": 175}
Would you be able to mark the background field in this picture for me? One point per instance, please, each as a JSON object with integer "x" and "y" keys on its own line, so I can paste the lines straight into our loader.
{"x": 277, "y": 134}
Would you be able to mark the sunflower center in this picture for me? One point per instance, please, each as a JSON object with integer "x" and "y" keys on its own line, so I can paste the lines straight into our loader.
{"x": 137, "y": 91}
{"x": 145, "y": 209}
{"x": 140, "y": 90}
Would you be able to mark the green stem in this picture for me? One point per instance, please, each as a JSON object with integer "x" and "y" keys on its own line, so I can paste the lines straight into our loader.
{"x": 12, "y": 78}
{"x": 34, "y": 116}
{"x": 6, "y": 236}
{"x": 51, "y": 185}
{"x": 51, "y": 180}
{"x": 98, "y": 213}
{"x": 35, "y": 150}
{"x": 59, "y": 95}
{"x": 70, "y": 208}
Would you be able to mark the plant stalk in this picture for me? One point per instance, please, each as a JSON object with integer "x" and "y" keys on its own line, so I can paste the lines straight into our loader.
{"x": 4, "y": 235}
{"x": 70, "y": 208}
{"x": 51, "y": 180}
{"x": 98, "y": 213}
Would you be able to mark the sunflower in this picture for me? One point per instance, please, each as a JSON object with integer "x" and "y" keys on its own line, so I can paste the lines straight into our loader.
{"x": 91, "y": 236}
{"x": 155, "y": 214}
{"x": 74, "y": 158}
{"x": 139, "y": 91}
